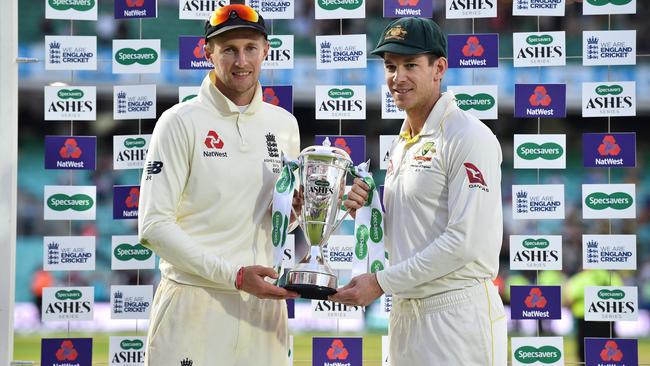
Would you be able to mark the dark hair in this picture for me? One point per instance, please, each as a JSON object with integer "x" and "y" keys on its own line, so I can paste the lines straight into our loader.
{"x": 432, "y": 58}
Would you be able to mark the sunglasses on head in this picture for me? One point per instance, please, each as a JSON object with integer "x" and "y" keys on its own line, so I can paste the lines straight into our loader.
{"x": 231, "y": 11}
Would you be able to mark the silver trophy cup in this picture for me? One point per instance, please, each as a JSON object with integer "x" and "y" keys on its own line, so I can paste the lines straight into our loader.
{"x": 322, "y": 177}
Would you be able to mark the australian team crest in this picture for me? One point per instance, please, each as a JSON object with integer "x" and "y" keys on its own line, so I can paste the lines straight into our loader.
{"x": 396, "y": 32}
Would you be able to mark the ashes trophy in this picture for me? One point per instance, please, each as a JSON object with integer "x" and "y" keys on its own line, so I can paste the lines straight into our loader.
{"x": 322, "y": 176}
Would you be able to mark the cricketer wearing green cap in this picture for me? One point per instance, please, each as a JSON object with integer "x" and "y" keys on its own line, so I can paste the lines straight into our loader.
{"x": 444, "y": 225}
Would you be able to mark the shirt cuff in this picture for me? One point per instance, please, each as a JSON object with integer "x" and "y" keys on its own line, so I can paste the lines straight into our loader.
{"x": 383, "y": 283}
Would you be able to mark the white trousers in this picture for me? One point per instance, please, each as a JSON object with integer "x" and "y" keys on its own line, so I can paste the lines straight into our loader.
{"x": 215, "y": 327}
{"x": 459, "y": 328}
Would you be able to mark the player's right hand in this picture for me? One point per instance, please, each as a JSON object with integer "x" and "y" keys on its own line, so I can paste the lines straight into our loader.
{"x": 357, "y": 196}
{"x": 253, "y": 282}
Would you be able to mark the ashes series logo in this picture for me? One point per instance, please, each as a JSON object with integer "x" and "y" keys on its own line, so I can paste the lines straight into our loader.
{"x": 69, "y": 253}
{"x": 528, "y": 252}
{"x": 473, "y": 50}
{"x": 67, "y": 351}
{"x": 603, "y": 7}
{"x": 70, "y": 103}
{"x": 609, "y": 48}
{"x": 540, "y": 201}
{"x": 465, "y": 9}
{"x": 340, "y": 351}
{"x": 611, "y": 99}
{"x": 280, "y": 53}
{"x": 134, "y": 9}
{"x": 611, "y": 352}
{"x": 537, "y": 351}
{"x": 70, "y": 53}
{"x": 130, "y": 151}
{"x": 340, "y": 101}
{"x": 341, "y": 52}
{"x": 71, "y": 9}
{"x": 136, "y": 56}
{"x": 539, "y": 49}
{"x": 607, "y": 303}
{"x": 199, "y": 9}
{"x": 407, "y": 8}
{"x": 540, "y": 100}
{"x": 70, "y": 152}
{"x": 126, "y": 351}
{"x": 608, "y": 201}
{"x": 607, "y": 150}
{"x": 340, "y": 9}
{"x": 538, "y": 7}
{"x": 326, "y": 309}
{"x": 134, "y": 102}
{"x": 68, "y": 303}
{"x": 131, "y": 302}
{"x": 69, "y": 202}
{"x": 614, "y": 252}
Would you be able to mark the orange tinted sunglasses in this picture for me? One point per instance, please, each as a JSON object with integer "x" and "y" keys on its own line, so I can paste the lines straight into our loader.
{"x": 243, "y": 12}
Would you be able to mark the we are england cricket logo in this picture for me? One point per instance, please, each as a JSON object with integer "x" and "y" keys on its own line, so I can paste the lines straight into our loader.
{"x": 538, "y": 201}
{"x": 129, "y": 253}
{"x": 529, "y": 252}
{"x": 473, "y": 50}
{"x": 607, "y": 150}
{"x": 134, "y": 9}
{"x": 340, "y": 251}
{"x": 340, "y": 101}
{"x": 465, "y": 9}
{"x": 479, "y": 100}
{"x": 539, "y": 49}
{"x": 611, "y": 352}
{"x": 340, "y": 9}
{"x": 70, "y": 53}
{"x": 130, "y": 151}
{"x": 134, "y": 102}
{"x": 273, "y": 9}
{"x": 131, "y": 302}
{"x": 70, "y": 152}
{"x": 66, "y": 351}
{"x": 539, "y": 151}
{"x": 608, "y": 201}
{"x": 69, "y": 253}
{"x": 71, "y": 9}
{"x": 609, "y": 303}
{"x": 199, "y": 9}
{"x": 69, "y": 202}
{"x": 136, "y": 56}
{"x": 68, "y": 303}
{"x": 609, "y": 48}
{"x": 126, "y": 351}
{"x": 125, "y": 202}
{"x": 603, "y": 7}
{"x": 537, "y": 351}
{"x": 539, "y": 7}
{"x": 191, "y": 54}
{"x": 280, "y": 53}
{"x": 341, "y": 52}
{"x": 609, "y": 99}
{"x": 70, "y": 103}
{"x": 405, "y": 8}
{"x": 611, "y": 252}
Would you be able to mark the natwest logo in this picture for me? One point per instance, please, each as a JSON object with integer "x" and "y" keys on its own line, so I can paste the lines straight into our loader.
{"x": 192, "y": 53}
{"x": 535, "y": 299}
{"x": 135, "y": 3}
{"x": 473, "y": 47}
{"x": 214, "y": 142}
{"x": 67, "y": 351}
{"x": 337, "y": 351}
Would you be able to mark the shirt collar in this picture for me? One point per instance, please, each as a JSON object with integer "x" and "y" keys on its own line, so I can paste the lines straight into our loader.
{"x": 433, "y": 121}
{"x": 215, "y": 97}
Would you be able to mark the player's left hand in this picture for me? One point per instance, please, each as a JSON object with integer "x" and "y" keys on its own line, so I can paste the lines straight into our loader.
{"x": 362, "y": 290}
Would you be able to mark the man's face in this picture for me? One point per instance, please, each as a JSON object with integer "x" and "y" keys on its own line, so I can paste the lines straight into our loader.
{"x": 412, "y": 80}
{"x": 237, "y": 56}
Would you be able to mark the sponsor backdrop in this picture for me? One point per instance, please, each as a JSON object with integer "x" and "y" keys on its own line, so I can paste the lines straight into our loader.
{"x": 534, "y": 99}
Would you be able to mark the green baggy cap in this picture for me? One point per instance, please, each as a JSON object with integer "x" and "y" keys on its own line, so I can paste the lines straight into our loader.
{"x": 412, "y": 36}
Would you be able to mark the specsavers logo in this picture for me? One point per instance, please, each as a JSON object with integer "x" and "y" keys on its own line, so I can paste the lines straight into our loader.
{"x": 616, "y": 201}
{"x": 143, "y": 56}
{"x": 68, "y": 295}
{"x": 63, "y": 202}
{"x": 545, "y": 354}
{"x": 546, "y": 151}
{"x": 78, "y": 5}
{"x": 131, "y": 344}
{"x": 479, "y": 102}
{"x": 138, "y": 252}
{"x": 339, "y": 4}
{"x": 70, "y": 94}
{"x": 535, "y": 243}
{"x": 606, "y": 2}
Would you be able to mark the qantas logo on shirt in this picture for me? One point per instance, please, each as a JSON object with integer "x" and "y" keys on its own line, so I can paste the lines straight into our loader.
{"x": 213, "y": 142}
{"x": 475, "y": 177}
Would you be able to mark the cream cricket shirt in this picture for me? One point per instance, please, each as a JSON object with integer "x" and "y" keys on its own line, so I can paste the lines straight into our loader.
{"x": 206, "y": 189}
{"x": 442, "y": 196}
